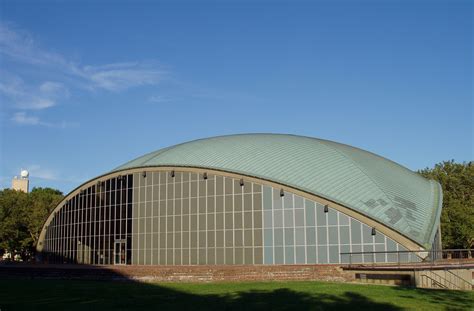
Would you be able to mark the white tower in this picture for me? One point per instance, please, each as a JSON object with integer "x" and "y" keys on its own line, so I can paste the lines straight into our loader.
{"x": 22, "y": 183}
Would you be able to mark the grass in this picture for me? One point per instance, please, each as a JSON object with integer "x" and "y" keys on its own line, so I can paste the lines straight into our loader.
{"x": 36, "y": 294}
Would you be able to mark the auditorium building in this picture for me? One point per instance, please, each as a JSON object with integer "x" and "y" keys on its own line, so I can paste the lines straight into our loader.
{"x": 250, "y": 199}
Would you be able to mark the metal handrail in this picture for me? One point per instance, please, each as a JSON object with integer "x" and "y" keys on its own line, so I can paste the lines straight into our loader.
{"x": 460, "y": 278}
{"x": 418, "y": 251}
{"x": 421, "y": 256}
{"x": 450, "y": 284}
{"x": 436, "y": 282}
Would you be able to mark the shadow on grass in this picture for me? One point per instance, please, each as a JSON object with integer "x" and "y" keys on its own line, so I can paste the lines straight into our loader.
{"x": 80, "y": 287}
{"x": 449, "y": 299}
{"x": 92, "y": 295}
{"x": 286, "y": 299}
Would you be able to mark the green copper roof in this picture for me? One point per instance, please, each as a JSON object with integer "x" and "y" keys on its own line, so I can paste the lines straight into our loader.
{"x": 357, "y": 179}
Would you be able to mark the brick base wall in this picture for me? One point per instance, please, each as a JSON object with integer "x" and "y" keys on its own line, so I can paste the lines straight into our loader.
{"x": 181, "y": 273}
{"x": 236, "y": 273}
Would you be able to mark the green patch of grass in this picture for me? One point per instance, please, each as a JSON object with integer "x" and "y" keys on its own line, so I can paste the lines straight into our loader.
{"x": 108, "y": 295}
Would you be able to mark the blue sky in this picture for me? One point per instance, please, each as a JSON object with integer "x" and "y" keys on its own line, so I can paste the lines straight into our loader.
{"x": 87, "y": 86}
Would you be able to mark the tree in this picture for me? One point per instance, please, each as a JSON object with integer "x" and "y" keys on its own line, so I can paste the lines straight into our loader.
{"x": 22, "y": 216}
{"x": 13, "y": 221}
{"x": 457, "y": 216}
{"x": 42, "y": 201}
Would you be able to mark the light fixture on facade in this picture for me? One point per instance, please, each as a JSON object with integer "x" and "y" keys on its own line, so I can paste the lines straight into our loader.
{"x": 282, "y": 193}
{"x": 326, "y": 208}
{"x": 204, "y": 175}
{"x": 172, "y": 174}
{"x": 241, "y": 182}
{"x": 373, "y": 231}
{"x": 144, "y": 174}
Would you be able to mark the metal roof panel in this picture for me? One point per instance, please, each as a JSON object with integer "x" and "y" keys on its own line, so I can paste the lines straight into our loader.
{"x": 360, "y": 180}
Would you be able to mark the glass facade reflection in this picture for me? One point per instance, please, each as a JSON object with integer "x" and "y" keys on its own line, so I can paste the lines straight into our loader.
{"x": 89, "y": 224}
{"x": 186, "y": 219}
{"x": 189, "y": 218}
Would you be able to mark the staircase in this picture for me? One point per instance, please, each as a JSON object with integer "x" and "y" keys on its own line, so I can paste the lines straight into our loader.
{"x": 458, "y": 279}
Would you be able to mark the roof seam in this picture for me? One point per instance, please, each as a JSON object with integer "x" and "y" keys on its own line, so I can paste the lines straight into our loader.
{"x": 341, "y": 172}
{"x": 158, "y": 153}
{"x": 362, "y": 171}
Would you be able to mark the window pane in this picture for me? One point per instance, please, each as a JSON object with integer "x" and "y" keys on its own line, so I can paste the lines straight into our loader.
{"x": 355, "y": 232}
{"x": 322, "y": 236}
{"x": 300, "y": 255}
{"x": 278, "y": 237}
{"x": 299, "y": 236}
{"x": 310, "y": 218}
{"x": 278, "y": 214}
{"x": 289, "y": 237}
{"x": 289, "y": 255}
{"x": 310, "y": 236}
{"x": 268, "y": 237}
{"x": 268, "y": 255}
{"x": 320, "y": 215}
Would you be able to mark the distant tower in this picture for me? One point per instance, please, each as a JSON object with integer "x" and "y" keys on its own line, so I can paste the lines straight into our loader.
{"x": 22, "y": 183}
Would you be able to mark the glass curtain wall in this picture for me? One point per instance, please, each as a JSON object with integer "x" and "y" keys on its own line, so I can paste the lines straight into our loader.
{"x": 187, "y": 218}
{"x": 183, "y": 218}
{"x": 86, "y": 228}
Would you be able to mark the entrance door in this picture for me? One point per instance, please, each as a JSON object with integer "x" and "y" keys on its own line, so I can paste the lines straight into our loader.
{"x": 120, "y": 252}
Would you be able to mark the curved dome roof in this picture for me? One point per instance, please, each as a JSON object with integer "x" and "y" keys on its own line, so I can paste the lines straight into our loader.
{"x": 360, "y": 180}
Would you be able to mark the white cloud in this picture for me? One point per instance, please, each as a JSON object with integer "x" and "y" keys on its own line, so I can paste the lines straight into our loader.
{"x": 40, "y": 172}
{"x": 53, "y": 88}
{"x": 36, "y": 171}
{"x": 159, "y": 99}
{"x": 27, "y": 97}
{"x": 36, "y": 103}
{"x": 19, "y": 46}
{"x": 20, "y": 49}
{"x": 23, "y": 119}
{"x": 116, "y": 77}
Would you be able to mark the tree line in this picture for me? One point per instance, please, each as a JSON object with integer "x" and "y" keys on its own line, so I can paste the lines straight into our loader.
{"x": 457, "y": 215}
{"x": 22, "y": 215}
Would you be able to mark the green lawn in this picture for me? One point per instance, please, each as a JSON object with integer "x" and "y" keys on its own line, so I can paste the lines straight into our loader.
{"x": 108, "y": 295}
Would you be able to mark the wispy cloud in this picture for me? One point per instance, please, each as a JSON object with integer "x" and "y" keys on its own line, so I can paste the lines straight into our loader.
{"x": 22, "y": 118}
{"x": 50, "y": 87}
{"x": 40, "y": 172}
{"x": 117, "y": 77}
{"x": 36, "y": 171}
{"x": 20, "y": 46}
{"x": 159, "y": 99}
{"x": 27, "y": 97}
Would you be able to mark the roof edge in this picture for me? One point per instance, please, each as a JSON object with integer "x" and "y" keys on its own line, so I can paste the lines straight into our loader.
{"x": 236, "y": 173}
{"x": 437, "y": 215}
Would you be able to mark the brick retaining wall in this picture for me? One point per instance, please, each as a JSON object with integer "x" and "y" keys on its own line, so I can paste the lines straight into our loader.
{"x": 180, "y": 273}
{"x": 237, "y": 273}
